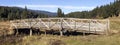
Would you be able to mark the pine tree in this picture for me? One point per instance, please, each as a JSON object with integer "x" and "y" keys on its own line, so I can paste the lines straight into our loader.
{"x": 10, "y": 16}
{"x": 17, "y": 15}
{"x": 59, "y": 12}
{"x": 24, "y": 13}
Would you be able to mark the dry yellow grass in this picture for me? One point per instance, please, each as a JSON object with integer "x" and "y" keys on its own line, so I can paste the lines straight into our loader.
{"x": 5, "y": 28}
{"x": 112, "y": 39}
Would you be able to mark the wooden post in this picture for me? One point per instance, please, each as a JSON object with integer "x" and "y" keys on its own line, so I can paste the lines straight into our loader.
{"x": 108, "y": 26}
{"x": 45, "y": 32}
{"x": 61, "y": 23}
{"x": 17, "y": 32}
{"x": 89, "y": 26}
{"x": 95, "y": 31}
{"x": 83, "y": 33}
{"x": 83, "y": 30}
{"x": 75, "y": 26}
{"x": 49, "y": 23}
{"x": 30, "y": 31}
{"x": 30, "y": 27}
{"x": 61, "y": 33}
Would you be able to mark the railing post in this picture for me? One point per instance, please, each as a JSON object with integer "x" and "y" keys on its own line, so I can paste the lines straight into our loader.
{"x": 74, "y": 25}
{"x": 49, "y": 23}
{"x": 30, "y": 26}
{"x": 45, "y": 32}
{"x": 30, "y": 31}
{"x": 61, "y": 32}
{"x": 17, "y": 30}
{"x": 108, "y": 26}
{"x": 89, "y": 26}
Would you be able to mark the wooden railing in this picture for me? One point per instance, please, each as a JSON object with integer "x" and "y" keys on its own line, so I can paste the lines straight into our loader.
{"x": 72, "y": 24}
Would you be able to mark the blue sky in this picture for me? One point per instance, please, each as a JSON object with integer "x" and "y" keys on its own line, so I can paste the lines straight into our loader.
{"x": 51, "y": 5}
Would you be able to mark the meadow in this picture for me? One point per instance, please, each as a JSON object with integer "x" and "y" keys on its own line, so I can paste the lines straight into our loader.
{"x": 112, "y": 38}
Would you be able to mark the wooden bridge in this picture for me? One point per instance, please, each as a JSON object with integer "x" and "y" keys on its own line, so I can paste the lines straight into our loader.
{"x": 63, "y": 24}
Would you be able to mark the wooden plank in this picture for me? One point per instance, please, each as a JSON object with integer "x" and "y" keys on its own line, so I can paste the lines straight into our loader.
{"x": 68, "y": 23}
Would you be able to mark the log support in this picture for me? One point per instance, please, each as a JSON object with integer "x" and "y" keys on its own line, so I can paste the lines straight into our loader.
{"x": 61, "y": 33}
{"x": 16, "y": 32}
{"x": 30, "y": 31}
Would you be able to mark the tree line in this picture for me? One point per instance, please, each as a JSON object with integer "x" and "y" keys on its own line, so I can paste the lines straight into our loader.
{"x": 105, "y": 11}
{"x": 12, "y": 13}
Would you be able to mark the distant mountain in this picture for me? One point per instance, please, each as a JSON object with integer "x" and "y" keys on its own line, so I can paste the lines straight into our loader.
{"x": 45, "y": 12}
{"x": 41, "y": 11}
{"x": 103, "y": 11}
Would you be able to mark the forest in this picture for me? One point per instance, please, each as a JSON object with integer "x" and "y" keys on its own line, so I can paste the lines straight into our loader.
{"x": 11, "y": 13}
{"x": 102, "y": 12}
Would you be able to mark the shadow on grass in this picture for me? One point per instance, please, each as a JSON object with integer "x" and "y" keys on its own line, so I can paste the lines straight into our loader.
{"x": 26, "y": 31}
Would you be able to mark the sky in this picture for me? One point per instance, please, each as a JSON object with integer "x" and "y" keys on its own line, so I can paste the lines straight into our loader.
{"x": 67, "y": 6}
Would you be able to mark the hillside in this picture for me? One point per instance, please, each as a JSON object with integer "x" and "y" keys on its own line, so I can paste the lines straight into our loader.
{"x": 11, "y": 13}
{"x": 51, "y": 14}
{"x": 104, "y": 11}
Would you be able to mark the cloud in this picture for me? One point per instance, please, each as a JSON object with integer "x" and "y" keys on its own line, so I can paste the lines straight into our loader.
{"x": 55, "y": 6}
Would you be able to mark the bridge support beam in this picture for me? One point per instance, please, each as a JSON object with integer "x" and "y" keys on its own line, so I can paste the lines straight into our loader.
{"x": 61, "y": 33}
{"x": 45, "y": 32}
{"x": 30, "y": 32}
{"x": 16, "y": 32}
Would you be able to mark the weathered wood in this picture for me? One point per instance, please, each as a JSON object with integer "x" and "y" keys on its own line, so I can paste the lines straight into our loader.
{"x": 89, "y": 26}
{"x": 30, "y": 32}
{"x": 45, "y": 32}
{"x": 16, "y": 32}
{"x": 61, "y": 33}
{"x": 108, "y": 27}
{"x": 71, "y": 24}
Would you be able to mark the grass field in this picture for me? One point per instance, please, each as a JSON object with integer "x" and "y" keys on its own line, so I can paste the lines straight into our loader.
{"x": 113, "y": 38}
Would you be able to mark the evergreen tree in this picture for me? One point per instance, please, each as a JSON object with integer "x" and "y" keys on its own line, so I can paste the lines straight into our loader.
{"x": 17, "y": 16}
{"x": 59, "y": 13}
{"x": 24, "y": 13}
{"x": 10, "y": 16}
